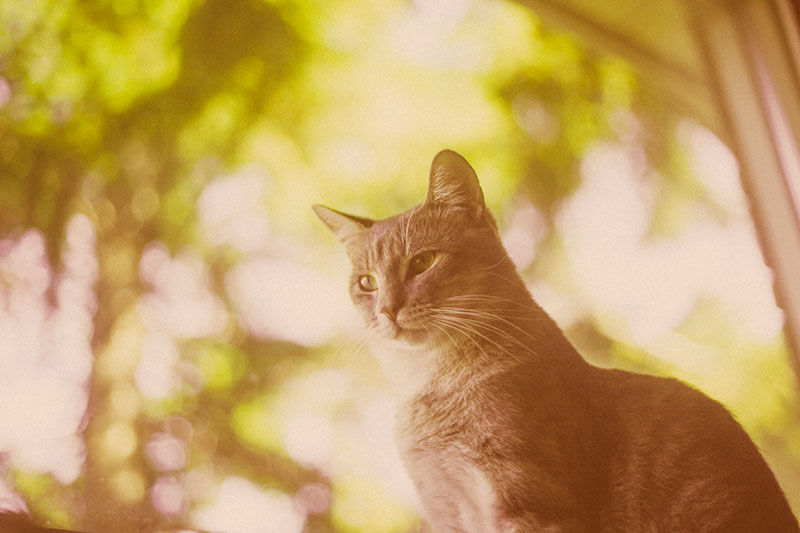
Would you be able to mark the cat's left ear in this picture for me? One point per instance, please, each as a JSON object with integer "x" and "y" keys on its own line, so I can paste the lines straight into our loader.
{"x": 453, "y": 183}
{"x": 344, "y": 226}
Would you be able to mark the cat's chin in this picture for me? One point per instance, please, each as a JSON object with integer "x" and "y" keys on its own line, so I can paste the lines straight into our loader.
{"x": 393, "y": 333}
{"x": 411, "y": 337}
{"x": 416, "y": 337}
{"x": 403, "y": 332}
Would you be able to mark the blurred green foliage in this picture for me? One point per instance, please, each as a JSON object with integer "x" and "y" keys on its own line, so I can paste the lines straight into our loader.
{"x": 125, "y": 110}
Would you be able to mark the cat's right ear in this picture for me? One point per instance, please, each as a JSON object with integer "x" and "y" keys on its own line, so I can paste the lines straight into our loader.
{"x": 344, "y": 226}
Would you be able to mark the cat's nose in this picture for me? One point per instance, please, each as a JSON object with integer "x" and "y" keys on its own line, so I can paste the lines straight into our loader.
{"x": 391, "y": 300}
{"x": 390, "y": 312}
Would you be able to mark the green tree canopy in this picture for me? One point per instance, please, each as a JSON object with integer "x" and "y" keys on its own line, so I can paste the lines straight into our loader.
{"x": 174, "y": 320}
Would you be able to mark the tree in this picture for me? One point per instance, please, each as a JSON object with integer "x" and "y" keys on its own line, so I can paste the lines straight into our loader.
{"x": 164, "y": 155}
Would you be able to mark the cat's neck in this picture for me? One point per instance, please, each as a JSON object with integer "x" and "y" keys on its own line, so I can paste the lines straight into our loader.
{"x": 410, "y": 369}
{"x": 509, "y": 326}
{"x": 509, "y": 333}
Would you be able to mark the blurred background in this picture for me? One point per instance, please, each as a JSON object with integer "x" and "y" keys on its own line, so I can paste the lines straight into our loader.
{"x": 177, "y": 346}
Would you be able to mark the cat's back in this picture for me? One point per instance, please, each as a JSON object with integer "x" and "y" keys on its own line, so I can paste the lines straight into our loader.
{"x": 676, "y": 460}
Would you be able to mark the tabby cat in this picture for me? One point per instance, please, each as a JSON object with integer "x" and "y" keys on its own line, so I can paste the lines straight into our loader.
{"x": 502, "y": 425}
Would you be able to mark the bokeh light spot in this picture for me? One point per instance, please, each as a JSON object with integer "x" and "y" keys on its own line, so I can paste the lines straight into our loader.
{"x": 119, "y": 441}
{"x": 128, "y": 485}
{"x": 165, "y": 452}
{"x": 167, "y": 495}
{"x": 145, "y": 203}
{"x": 240, "y": 505}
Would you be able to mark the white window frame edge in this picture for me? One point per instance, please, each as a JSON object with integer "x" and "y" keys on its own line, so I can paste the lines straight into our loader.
{"x": 752, "y": 72}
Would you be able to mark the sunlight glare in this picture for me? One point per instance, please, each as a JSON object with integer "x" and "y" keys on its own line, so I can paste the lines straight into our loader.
{"x": 306, "y": 408}
{"x": 181, "y": 301}
{"x": 561, "y": 307}
{"x": 714, "y": 165}
{"x": 9, "y": 500}
{"x": 155, "y": 374}
{"x": 650, "y": 284}
{"x": 308, "y": 438}
{"x": 165, "y": 452}
{"x": 167, "y": 495}
{"x": 371, "y": 486}
{"x": 523, "y": 234}
{"x": 45, "y": 350}
{"x": 281, "y": 299}
{"x": 119, "y": 441}
{"x": 241, "y": 505}
{"x": 371, "y": 452}
{"x": 231, "y": 210}
{"x": 315, "y": 498}
{"x": 425, "y": 35}
{"x": 129, "y": 485}
{"x": 124, "y": 401}
{"x": 5, "y": 91}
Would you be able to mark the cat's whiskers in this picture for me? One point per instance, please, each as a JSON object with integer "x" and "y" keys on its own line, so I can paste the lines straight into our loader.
{"x": 481, "y": 314}
{"x": 482, "y": 323}
{"x": 490, "y": 312}
{"x": 361, "y": 354}
{"x": 348, "y": 351}
{"x": 444, "y": 330}
{"x": 504, "y": 278}
{"x": 492, "y": 306}
{"x": 490, "y": 267}
{"x": 484, "y": 315}
{"x": 503, "y": 314}
{"x": 495, "y": 436}
{"x": 484, "y": 297}
{"x": 462, "y": 325}
{"x": 445, "y": 325}
{"x": 467, "y": 329}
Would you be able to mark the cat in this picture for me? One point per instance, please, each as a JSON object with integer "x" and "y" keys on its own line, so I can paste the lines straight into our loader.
{"x": 501, "y": 424}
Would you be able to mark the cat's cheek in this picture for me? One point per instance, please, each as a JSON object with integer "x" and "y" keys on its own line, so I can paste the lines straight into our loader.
{"x": 369, "y": 318}
{"x": 376, "y": 322}
{"x": 364, "y": 303}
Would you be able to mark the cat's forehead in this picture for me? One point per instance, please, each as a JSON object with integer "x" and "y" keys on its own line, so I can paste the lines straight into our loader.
{"x": 393, "y": 235}
{"x": 418, "y": 229}
{"x": 397, "y": 236}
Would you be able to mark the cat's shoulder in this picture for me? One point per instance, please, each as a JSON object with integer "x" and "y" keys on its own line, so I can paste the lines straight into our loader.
{"x": 668, "y": 406}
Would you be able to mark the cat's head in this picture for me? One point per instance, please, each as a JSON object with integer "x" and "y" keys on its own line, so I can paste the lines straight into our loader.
{"x": 425, "y": 273}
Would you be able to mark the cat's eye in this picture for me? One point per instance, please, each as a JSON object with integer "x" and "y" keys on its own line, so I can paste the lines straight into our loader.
{"x": 421, "y": 262}
{"x": 367, "y": 283}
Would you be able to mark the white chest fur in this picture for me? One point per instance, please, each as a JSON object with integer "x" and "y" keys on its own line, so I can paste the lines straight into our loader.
{"x": 409, "y": 369}
{"x": 456, "y": 495}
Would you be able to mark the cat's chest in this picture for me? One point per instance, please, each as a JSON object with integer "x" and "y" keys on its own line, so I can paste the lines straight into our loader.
{"x": 455, "y": 490}
{"x": 409, "y": 369}
{"x": 455, "y": 493}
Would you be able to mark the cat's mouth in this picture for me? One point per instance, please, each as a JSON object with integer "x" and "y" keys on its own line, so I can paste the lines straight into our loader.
{"x": 399, "y": 330}
{"x": 391, "y": 329}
